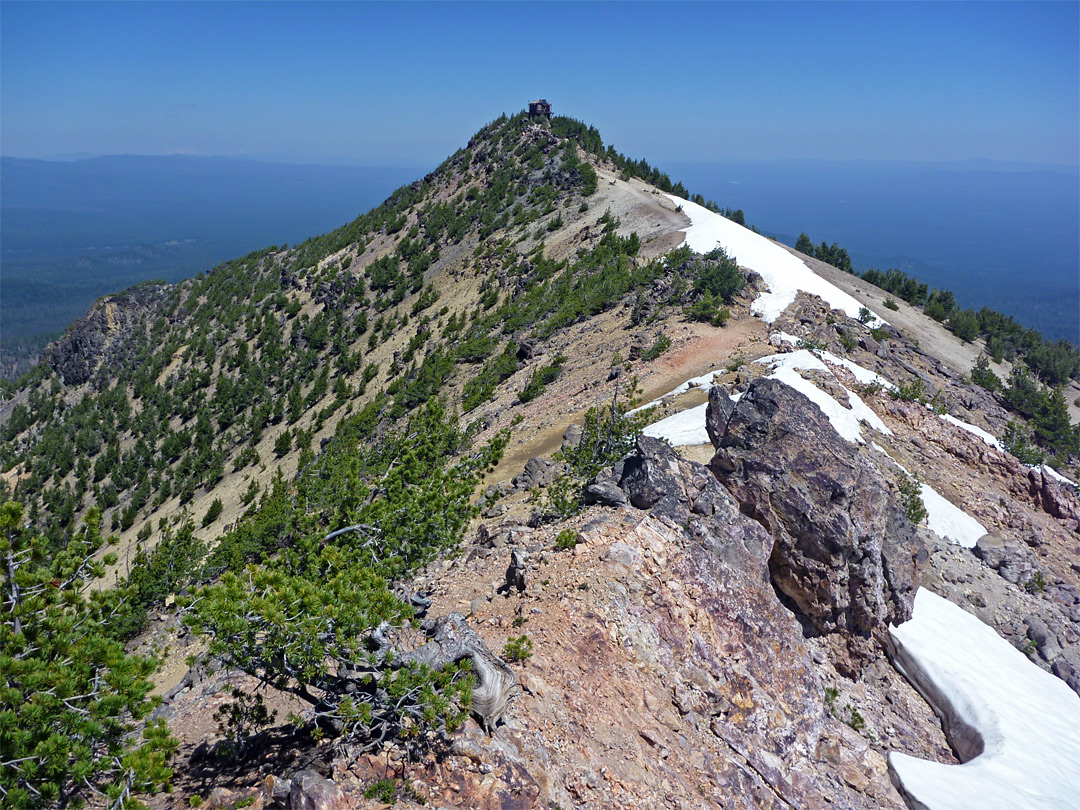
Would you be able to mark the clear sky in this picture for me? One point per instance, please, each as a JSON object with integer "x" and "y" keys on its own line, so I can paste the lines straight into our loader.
{"x": 407, "y": 84}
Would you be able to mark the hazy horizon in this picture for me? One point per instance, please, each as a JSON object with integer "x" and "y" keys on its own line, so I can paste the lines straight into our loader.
{"x": 386, "y": 84}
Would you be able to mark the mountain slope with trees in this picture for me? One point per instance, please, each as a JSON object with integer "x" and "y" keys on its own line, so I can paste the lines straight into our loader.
{"x": 284, "y": 443}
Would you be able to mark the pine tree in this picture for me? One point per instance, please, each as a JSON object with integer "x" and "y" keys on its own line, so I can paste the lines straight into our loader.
{"x": 72, "y": 700}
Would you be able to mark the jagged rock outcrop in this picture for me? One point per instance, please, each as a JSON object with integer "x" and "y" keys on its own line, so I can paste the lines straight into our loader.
{"x": 101, "y": 333}
{"x": 844, "y": 552}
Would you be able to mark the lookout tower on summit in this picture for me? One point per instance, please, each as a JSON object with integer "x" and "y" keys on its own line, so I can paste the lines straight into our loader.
{"x": 540, "y": 108}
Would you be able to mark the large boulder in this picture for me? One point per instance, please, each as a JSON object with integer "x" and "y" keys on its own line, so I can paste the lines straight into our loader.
{"x": 844, "y": 553}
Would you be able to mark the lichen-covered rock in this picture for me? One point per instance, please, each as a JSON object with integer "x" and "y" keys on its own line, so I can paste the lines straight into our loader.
{"x": 844, "y": 551}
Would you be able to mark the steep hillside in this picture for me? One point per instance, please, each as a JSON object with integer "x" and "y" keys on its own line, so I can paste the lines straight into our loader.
{"x": 292, "y": 449}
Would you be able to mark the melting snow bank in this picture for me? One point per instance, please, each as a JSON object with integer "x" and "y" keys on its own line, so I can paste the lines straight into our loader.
{"x": 989, "y": 438}
{"x": 949, "y": 522}
{"x": 704, "y": 381}
{"x": 688, "y": 427}
{"x": 784, "y": 274}
{"x": 1016, "y": 726}
{"x": 682, "y": 429}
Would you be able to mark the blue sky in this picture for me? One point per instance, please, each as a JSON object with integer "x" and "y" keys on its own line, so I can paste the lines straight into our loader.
{"x": 407, "y": 84}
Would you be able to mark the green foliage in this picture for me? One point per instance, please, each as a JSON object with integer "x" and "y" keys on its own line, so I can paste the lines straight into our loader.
{"x": 566, "y": 540}
{"x": 1017, "y": 440}
{"x": 855, "y": 718}
{"x": 283, "y": 443}
{"x": 518, "y": 649}
{"x": 865, "y": 315}
{"x": 659, "y": 346}
{"x": 847, "y": 340}
{"x": 72, "y": 701}
{"x": 982, "y": 375}
{"x": 385, "y": 790}
{"x": 607, "y": 435}
{"x": 541, "y": 378}
{"x": 891, "y": 304}
{"x": 1047, "y": 409}
{"x": 480, "y": 388}
{"x": 213, "y": 513}
{"x": 706, "y": 309}
{"x": 964, "y": 324}
{"x": 363, "y": 515}
{"x": 911, "y": 496}
{"x": 720, "y": 276}
{"x": 1036, "y": 583}
{"x": 157, "y": 574}
{"x": 909, "y": 391}
{"x": 830, "y": 254}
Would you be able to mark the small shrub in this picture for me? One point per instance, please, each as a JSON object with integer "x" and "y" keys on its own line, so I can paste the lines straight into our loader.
{"x": 1036, "y": 583}
{"x": 566, "y": 540}
{"x": 865, "y": 315}
{"x": 384, "y": 791}
{"x": 283, "y": 443}
{"x": 540, "y": 379}
{"x": 855, "y": 719}
{"x": 911, "y": 391}
{"x": 871, "y": 389}
{"x": 911, "y": 493}
{"x": 736, "y": 362}
{"x": 831, "y": 694}
{"x": 891, "y": 304}
{"x": 518, "y": 649}
{"x": 1017, "y": 441}
{"x": 848, "y": 341}
{"x": 879, "y": 334}
{"x": 662, "y": 344}
{"x": 213, "y": 513}
{"x": 983, "y": 376}
{"x": 707, "y": 310}
{"x": 809, "y": 344}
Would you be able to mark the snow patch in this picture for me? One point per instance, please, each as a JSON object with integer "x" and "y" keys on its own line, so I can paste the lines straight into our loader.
{"x": 950, "y": 522}
{"x": 784, "y": 274}
{"x": 863, "y": 375}
{"x": 1017, "y": 726}
{"x": 682, "y": 429}
{"x": 989, "y": 438}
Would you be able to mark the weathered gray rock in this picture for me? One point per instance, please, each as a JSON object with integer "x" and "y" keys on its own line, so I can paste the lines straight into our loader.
{"x": 605, "y": 493}
{"x": 571, "y": 436}
{"x": 651, "y": 475}
{"x": 538, "y": 472}
{"x": 717, "y": 414}
{"x": 844, "y": 552}
{"x": 105, "y": 335}
{"x": 310, "y": 791}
